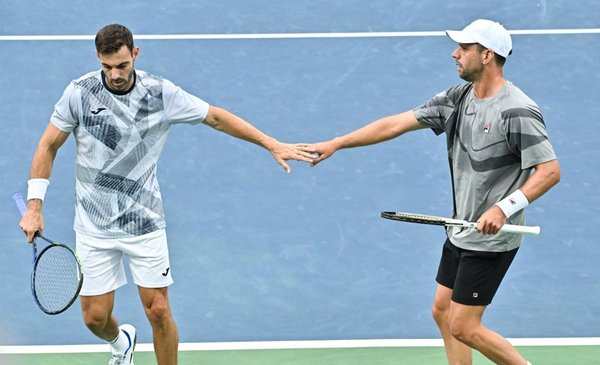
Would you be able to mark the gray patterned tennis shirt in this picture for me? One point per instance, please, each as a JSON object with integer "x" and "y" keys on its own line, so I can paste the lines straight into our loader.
{"x": 495, "y": 144}
{"x": 119, "y": 139}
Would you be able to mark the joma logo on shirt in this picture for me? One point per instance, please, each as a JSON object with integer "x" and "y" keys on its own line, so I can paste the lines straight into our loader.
{"x": 97, "y": 110}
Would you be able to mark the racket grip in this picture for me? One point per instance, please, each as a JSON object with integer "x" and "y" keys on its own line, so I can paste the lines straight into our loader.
{"x": 18, "y": 198}
{"x": 535, "y": 230}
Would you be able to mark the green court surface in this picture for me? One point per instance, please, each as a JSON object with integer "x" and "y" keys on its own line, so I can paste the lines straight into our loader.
{"x": 547, "y": 355}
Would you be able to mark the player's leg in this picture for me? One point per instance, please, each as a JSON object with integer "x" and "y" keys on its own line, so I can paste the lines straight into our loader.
{"x": 457, "y": 352}
{"x": 164, "y": 330}
{"x": 151, "y": 271}
{"x": 466, "y": 326}
{"x": 478, "y": 278}
{"x": 104, "y": 272}
{"x": 97, "y": 315}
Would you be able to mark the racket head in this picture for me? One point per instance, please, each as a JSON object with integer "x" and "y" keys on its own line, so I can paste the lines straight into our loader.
{"x": 414, "y": 218}
{"x": 56, "y": 278}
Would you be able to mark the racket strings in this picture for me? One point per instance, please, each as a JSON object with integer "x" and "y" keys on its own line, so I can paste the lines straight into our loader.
{"x": 414, "y": 218}
{"x": 424, "y": 218}
{"x": 56, "y": 278}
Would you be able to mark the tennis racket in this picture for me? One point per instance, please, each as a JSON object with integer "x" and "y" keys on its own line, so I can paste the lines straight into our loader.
{"x": 57, "y": 276}
{"x": 448, "y": 222}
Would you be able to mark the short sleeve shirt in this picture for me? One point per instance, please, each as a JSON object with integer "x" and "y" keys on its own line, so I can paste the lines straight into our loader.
{"x": 119, "y": 138}
{"x": 497, "y": 141}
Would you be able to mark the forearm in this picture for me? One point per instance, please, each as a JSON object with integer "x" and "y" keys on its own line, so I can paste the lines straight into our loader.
{"x": 41, "y": 167}
{"x": 42, "y": 163}
{"x": 544, "y": 177}
{"x": 226, "y": 122}
{"x": 378, "y": 131}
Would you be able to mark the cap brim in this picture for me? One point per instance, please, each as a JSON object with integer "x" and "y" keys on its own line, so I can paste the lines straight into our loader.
{"x": 460, "y": 37}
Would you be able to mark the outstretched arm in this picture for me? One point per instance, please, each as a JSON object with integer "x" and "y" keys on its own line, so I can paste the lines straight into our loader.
{"x": 378, "y": 131}
{"x": 229, "y": 123}
{"x": 41, "y": 167}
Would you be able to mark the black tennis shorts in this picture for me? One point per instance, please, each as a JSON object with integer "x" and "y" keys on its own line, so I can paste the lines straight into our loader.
{"x": 473, "y": 276}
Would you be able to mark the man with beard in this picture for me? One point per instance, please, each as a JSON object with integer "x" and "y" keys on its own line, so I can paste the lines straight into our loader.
{"x": 496, "y": 137}
{"x": 120, "y": 118}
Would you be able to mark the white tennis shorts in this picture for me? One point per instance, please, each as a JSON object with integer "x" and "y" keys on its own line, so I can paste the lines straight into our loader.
{"x": 102, "y": 261}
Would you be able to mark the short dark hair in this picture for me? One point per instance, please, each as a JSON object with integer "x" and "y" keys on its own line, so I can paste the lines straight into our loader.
{"x": 112, "y": 37}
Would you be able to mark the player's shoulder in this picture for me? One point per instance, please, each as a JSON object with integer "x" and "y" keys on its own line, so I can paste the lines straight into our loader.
{"x": 456, "y": 92}
{"x": 461, "y": 88}
{"x": 90, "y": 77}
{"x": 514, "y": 103}
{"x": 516, "y": 97}
{"x": 147, "y": 78}
{"x": 154, "y": 83}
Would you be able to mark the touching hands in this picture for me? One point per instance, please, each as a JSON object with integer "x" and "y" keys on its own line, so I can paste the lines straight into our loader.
{"x": 322, "y": 151}
{"x": 310, "y": 153}
{"x": 285, "y": 151}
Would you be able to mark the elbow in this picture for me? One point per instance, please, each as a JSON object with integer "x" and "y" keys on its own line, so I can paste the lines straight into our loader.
{"x": 215, "y": 117}
{"x": 213, "y": 123}
{"x": 556, "y": 177}
{"x": 553, "y": 174}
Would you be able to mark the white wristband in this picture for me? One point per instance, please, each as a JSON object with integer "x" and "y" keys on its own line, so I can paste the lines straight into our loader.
{"x": 37, "y": 188}
{"x": 513, "y": 203}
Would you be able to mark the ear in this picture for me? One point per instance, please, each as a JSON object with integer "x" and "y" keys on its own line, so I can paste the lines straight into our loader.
{"x": 135, "y": 53}
{"x": 488, "y": 56}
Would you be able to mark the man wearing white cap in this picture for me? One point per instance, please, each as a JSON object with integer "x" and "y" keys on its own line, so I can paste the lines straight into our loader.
{"x": 500, "y": 161}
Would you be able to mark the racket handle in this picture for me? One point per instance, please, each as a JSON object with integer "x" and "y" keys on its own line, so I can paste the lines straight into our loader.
{"x": 18, "y": 198}
{"x": 535, "y": 230}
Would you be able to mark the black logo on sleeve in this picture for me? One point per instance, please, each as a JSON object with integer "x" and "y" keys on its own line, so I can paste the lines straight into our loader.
{"x": 166, "y": 272}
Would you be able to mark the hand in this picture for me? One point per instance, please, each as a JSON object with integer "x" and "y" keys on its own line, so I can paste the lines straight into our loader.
{"x": 33, "y": 220}
{"x": 323, "y": 151}
{"x": 285, "y": 151}
{"x": 491, "y": 221}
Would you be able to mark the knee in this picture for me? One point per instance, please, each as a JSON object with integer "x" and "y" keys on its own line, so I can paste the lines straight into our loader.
{"x": 457, "y": 330}
{"x": 156, "y": 306}
{"x": 158, "y": 312}
{"x": 464, "y": 332}
{"x": 95, "y": 319}
{"x": 439, "y": 313}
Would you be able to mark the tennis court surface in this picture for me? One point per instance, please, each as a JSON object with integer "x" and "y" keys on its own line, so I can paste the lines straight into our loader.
{"x": 262, "y": 256}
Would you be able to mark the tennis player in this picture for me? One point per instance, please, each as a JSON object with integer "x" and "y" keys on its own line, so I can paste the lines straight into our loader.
{"x": 500, "y": 161}
{"x": 120, "y": 118}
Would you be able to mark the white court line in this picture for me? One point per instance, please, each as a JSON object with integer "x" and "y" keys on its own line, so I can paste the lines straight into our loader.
{"x": 286, "y": 345}
{"x": 287, "y": 35}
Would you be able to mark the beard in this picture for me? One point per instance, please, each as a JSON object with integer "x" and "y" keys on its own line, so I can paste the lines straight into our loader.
{"x": 121, "y": 83}
{"x": 471, "y": 74}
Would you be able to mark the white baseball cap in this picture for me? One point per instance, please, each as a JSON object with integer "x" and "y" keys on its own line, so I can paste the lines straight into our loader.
{"x": 488, "y": 33}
